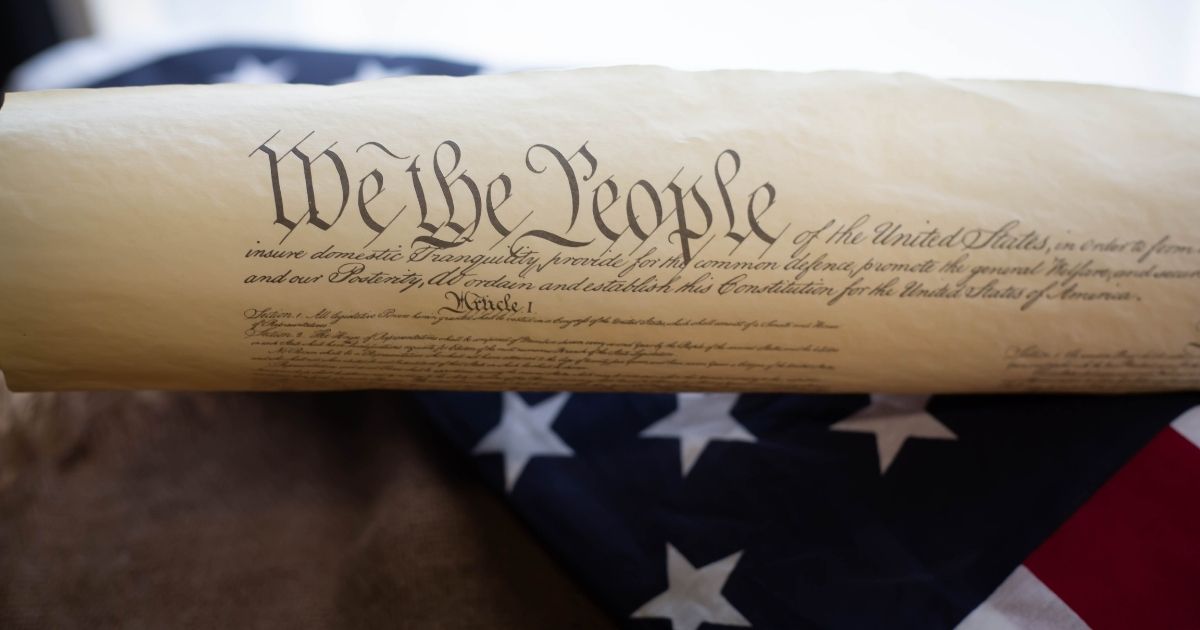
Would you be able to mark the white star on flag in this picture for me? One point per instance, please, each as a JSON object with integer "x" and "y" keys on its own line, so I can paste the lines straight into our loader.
{"x": 371, "y": 69}
{"x": 250, "y": 70}
{"x": 524, "y": 433}
{"x": 894, "y": 419}
{"x": 693, "y": 596}
{"x": 697, "y": 420}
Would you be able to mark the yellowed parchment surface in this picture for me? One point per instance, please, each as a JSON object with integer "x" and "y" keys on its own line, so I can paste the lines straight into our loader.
{"x": 616, "y": 229}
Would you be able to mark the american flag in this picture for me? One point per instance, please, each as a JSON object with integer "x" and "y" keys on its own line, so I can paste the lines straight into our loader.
{"x": 705, "y": 511}
{"x": 697, "y": 511}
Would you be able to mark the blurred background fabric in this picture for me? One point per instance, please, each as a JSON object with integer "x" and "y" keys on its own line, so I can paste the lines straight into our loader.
{"x": 1151, "y": 44}
{"x": 172, "y": 510}
{"x": 26, "y": 28}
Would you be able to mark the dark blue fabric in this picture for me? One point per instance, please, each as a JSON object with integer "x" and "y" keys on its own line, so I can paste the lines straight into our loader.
{"x": 206, "y": 64}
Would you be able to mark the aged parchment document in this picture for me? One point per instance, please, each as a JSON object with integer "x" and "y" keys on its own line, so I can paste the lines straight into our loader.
{"x": 616, "y": 229}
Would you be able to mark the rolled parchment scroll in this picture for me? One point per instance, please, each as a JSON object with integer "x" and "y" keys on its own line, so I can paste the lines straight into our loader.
{"x": 617, "y": 229}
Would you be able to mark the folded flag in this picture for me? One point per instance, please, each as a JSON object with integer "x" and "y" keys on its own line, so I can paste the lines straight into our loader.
{"x": 784, "y": 511}
{"x": 1128, "y": 558}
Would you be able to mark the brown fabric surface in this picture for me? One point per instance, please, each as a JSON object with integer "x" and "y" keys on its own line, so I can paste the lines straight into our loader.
{"x": 154, "y": 510}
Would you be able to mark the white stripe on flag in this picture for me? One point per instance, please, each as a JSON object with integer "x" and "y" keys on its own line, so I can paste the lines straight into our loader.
{"x": 1023, "y": 602}
{"x": 1188, "y": 425}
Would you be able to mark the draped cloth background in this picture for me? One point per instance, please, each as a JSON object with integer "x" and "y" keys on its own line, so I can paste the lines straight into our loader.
{"x": 159, "y": 510}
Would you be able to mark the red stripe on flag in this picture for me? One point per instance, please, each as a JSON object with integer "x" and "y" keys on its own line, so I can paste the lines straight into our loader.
{"x": 1130, "y": 557}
